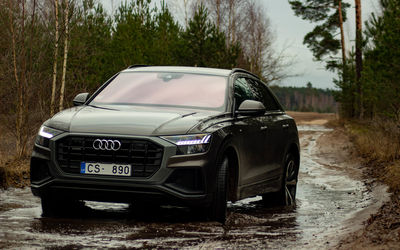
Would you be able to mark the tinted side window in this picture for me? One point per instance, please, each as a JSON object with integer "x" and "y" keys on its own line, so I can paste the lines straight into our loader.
{"x": 265, "y": 96}
{"x": 242, "y": 92}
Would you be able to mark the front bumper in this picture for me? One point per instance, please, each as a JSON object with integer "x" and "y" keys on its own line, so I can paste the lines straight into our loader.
{"x": 181, "y": 179}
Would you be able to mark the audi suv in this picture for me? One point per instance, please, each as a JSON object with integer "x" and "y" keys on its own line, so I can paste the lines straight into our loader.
{"x": 191, "y": 136}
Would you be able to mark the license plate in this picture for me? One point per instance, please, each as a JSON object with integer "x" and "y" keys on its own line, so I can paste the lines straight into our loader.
{"x": 105, "y": 169}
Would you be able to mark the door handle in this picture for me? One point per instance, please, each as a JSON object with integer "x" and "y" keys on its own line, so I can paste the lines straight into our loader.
{"x": 264, "y": 128}
{"x": 285, "y": 126}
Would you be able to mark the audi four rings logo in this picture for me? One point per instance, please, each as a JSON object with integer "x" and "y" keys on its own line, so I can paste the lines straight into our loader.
{"x": 106, "y": 144}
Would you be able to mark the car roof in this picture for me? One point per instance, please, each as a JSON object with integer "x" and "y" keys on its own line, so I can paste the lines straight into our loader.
{"x": 183, "y": 69}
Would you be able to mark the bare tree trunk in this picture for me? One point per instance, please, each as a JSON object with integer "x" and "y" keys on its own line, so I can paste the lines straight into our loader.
{"x": 62, "y": 90}
{"x": 230, "y": 21}
{"x": 218, "y": 3}
{"x": 19, "y": 81}
{"x": 10, "y": 6}
{"x": 112, "y": 7}
{"x": 185, "y": 3}
{"x": 342, "y": 32}
{"x": 359, "y": 57}
{"x": 53, "y": 86}
{"x": 233, "y": 22}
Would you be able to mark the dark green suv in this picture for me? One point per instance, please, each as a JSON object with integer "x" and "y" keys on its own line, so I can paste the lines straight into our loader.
{"x": 178, "y": 135}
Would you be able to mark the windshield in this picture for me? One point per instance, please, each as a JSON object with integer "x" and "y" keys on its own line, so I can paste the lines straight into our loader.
{"x": 166, "y": 89}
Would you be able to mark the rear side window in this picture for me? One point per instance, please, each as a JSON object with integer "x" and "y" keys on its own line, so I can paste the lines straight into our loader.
{"x": 265, "y": 96}
{"x": 249, "y": 89}
{"x": 243, "y": 91}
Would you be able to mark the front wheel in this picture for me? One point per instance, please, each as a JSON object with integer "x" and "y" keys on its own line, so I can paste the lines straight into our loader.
{"x": 217, "y": 209}
{"x": 54, "y": 206}
{"x": 287, "y": 195}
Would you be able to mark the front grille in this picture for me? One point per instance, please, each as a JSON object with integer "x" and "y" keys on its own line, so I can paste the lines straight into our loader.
{"x": 144, "y": 156}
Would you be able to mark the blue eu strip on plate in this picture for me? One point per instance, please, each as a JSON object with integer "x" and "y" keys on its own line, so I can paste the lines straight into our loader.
{"x": 82, "y": 167}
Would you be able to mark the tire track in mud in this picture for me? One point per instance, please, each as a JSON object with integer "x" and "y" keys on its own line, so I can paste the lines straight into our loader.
{"x": 329, "y": 204}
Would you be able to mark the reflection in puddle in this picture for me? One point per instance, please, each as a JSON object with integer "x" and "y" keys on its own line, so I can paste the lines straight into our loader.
{"x": 325, "y": 199}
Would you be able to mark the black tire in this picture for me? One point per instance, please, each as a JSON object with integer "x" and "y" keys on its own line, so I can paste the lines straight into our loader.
{"x": 55, "y": 207}
{"x": 145, "y": 211}
{"x": 287, "y": 195}
{"x": 217, "y": 209}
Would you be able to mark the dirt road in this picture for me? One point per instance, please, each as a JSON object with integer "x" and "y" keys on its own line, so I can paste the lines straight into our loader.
{"x": 332, "y": 201}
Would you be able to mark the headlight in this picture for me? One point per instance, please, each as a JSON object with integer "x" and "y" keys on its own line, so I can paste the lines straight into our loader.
{"x": 190, "y": 144}
{"x": 45, "y": 134}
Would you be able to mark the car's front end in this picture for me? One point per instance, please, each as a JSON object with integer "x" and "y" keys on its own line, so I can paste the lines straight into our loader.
{"x": 144, "y": 168}
{"x": 125, "y": 153}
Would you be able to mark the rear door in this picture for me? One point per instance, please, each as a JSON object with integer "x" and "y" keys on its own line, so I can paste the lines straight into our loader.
{"x": 275, "y": 131}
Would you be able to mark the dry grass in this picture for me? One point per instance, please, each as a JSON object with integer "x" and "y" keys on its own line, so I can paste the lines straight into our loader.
{"x": 13, "y": 172}
{"x": 379, "y": 143}
{"x": 392, "y": 176}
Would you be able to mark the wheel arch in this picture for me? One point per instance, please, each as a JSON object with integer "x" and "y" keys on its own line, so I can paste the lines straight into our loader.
{"x": 295, "y": 151}
{"x": 228, "y": 150}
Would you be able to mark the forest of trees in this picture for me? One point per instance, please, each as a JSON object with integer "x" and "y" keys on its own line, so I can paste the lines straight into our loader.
{"x": 306, "y": 99}
{"x": 50, "y": 50}
{"x": 368, "y": 73}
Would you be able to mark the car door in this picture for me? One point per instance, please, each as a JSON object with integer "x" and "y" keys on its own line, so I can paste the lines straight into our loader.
{"x": 250, "y": 136}
{"x": 275, "y": 131}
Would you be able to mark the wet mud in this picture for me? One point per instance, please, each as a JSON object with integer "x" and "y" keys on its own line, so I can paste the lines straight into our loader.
{"x": 330, "y": 204}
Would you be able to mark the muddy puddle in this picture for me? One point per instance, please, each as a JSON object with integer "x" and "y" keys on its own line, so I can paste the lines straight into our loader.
{"x": 329, "y": 205}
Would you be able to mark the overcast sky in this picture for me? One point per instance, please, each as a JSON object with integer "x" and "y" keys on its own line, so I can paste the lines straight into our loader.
{"x": 290, "y": 31}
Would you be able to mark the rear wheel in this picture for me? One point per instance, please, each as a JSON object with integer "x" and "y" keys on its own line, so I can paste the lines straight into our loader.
{"x": 217, "y": 209}
{"x": 287, "y": 195}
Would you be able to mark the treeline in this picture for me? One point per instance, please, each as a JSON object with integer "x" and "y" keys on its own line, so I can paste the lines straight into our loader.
{"x": 50, "y": 50}
{"x": 306, "y": 99}
{"x": 379, "y": 86}
{"x": 368, "y": 74}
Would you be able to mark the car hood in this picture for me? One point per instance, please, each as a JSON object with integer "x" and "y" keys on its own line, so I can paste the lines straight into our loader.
{"x": 128, "y": 120}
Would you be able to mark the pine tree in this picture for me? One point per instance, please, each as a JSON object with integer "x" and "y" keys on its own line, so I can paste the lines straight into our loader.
{"x": 329, "y": 16}
{"x": 133, "y": 35}
{"x": 167, "y": 38}
{"x": 90, "y": 57}
{"x": 205, "y": 45}
{"x": 381, "y": 69}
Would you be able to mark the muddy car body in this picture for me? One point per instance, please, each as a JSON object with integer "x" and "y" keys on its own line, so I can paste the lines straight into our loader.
{"x": 181, "y": 135}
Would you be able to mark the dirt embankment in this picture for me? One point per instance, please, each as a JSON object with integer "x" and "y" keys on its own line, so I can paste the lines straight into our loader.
{"x": 380, "y": 158}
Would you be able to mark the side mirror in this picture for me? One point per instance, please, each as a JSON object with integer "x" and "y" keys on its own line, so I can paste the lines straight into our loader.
{"x": 250, "y": 107}
{"x": 80, "y": 99}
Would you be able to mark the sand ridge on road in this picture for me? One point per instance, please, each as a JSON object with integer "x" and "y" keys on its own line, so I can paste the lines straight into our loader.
{"x": 311, "y": 118}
